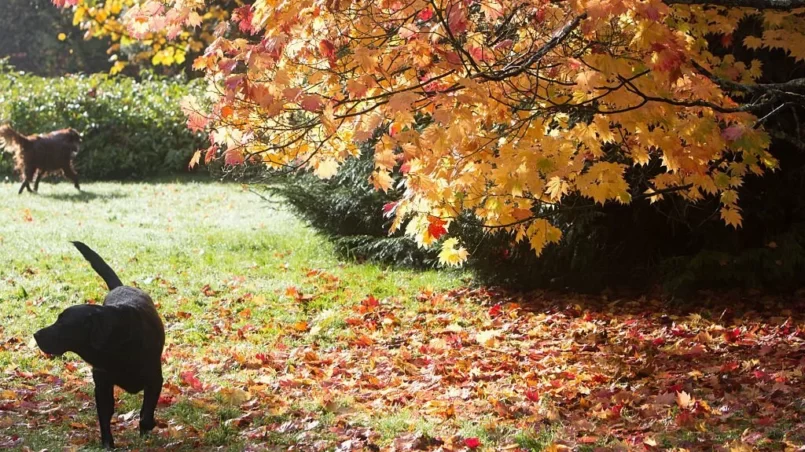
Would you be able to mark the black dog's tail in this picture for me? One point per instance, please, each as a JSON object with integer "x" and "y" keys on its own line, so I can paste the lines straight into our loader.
{"x": 99, "y": 265}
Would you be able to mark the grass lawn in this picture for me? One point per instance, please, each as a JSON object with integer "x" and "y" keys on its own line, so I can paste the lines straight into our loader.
{"x": 274, "y": 343}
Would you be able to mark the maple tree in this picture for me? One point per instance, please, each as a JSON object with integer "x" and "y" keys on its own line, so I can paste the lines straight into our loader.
{"x": 504, "y": 109}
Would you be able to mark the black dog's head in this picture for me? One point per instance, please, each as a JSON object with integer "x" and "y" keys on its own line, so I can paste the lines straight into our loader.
{"x": 80, "y": 329}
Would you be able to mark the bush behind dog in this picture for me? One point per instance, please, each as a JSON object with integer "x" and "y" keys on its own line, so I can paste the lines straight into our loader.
{"x": 131, "y": 129}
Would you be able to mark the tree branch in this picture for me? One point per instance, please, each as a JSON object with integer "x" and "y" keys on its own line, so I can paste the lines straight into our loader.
{"x": 662, "y": 191}
{"x": 796, "y": 85}
{"x": 558, "y": 37}
{"x": 784, "y": 5}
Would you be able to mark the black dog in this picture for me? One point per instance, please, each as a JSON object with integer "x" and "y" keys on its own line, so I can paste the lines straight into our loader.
{"x": 122, "y": 340}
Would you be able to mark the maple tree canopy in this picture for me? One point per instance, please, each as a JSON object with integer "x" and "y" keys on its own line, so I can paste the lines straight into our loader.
{"x": 499, "y": 108}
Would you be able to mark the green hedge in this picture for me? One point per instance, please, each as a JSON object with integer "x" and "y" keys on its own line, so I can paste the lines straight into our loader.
{"x": 131, "y": 129}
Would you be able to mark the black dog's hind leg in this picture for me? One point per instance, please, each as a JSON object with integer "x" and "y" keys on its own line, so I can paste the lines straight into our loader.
{"x": 36, "y": 181}
{"x": 150, "y": 400}
{"x": 105, "y": 403}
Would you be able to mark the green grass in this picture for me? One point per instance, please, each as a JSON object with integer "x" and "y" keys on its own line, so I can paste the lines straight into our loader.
{"x": 176, "y": 240}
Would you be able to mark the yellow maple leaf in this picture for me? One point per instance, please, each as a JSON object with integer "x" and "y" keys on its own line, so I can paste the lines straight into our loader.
{"x": 381, "y": 180}
{"x": 326, "y": 169}
{"x": 402, "y": 101}
{"x": 452, "y": 254}
{"x": 367, "y": 58}
{"x": 540, "y": 233}
{"x": 732, "y": 216}
{"x": 356, "y": 88}
{"x": 684, "y": 400}
{"x": 556, "y": 188}
{"x": 193, "y": 19}
{"x": 117, "y": 67}
{"x": 488, "y": 338}
{"x": 194, "y": 160}
{"x": 752, "y": 42}
{"x": 234, "y": 396}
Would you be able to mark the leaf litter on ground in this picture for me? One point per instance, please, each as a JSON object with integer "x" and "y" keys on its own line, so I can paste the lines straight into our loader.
{"x": 619, "y": 374}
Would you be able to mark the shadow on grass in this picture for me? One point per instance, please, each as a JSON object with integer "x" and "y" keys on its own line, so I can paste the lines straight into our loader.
{"x": 181, "y": 178}
{"x": 84, "y": 196}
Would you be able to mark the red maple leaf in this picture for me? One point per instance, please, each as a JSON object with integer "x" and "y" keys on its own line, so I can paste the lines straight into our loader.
{"x": 472, "y": 443}
{"x": 312, "y": 103}
{"x": 327, "y": 50}
{"x": 370, "y": 302}
{"x": 494, "y": 311}
{"x": 436, "y": 227}
{"x": 166, "y": 400}
{"x": 732, "y": 133}
{"x": 189, "y": 378}
{"x": 388, "y": 208}
{"x": 425, "y": 14}
{"x": 243, "y": 16}
{"x": 210, "y": 153}
{"x": 539, "y": 16}
{"x": 233, "y": 158}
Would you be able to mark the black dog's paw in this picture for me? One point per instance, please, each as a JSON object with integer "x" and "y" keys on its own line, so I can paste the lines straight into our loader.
{"x": 108, "y": 445}
{"x": 146, "y": 426}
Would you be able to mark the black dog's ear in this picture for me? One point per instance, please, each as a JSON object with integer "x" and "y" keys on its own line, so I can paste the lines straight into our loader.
{"x": 104, "y": 323}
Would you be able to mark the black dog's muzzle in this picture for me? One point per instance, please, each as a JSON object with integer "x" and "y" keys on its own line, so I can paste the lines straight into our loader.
{"x": 47, "y": 344}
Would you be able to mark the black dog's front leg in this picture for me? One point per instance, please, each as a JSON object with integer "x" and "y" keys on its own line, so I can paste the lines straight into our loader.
{"x": 105, "y": 403}
{"x": 150, "y": 400}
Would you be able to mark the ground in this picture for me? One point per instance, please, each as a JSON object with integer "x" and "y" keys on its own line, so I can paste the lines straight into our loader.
{"x": 273, "y": 343}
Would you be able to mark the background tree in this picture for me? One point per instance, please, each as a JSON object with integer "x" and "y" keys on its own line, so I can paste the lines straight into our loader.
{"x": 37, "y": 38}
{"x": 171, "y": 49}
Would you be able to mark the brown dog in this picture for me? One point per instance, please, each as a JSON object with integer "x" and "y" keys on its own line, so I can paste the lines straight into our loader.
{"x": 43, "y": 153}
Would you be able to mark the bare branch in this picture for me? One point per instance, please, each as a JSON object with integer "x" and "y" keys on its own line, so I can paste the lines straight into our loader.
{"x": 662, "y": 191}
{"x": 796, "y": 85}
{"x": 558, "y": 37}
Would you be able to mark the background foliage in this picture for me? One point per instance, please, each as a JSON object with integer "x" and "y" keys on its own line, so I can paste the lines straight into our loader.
{"x": 29, "y": 37}
{"x": 131, "y": 128}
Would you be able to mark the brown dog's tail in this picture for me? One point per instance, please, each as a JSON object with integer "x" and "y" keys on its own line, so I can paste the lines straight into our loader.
{"x": 99, "y": 265}
{"x": 11, "y": 137}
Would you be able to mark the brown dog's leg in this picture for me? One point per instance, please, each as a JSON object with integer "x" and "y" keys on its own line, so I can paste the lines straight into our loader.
{"x": 36, "y": 181}
{"x": 105, "y": 404}
{"x": 70, "y": 174}
{"x": 26, "y": 183}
